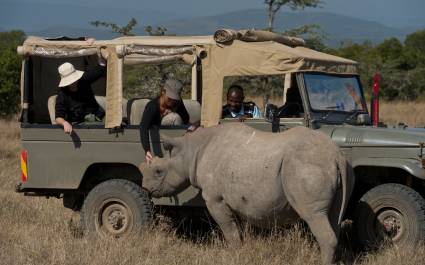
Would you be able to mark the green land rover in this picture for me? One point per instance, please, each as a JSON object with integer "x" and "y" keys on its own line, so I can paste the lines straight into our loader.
{"x": 95, "y": 169}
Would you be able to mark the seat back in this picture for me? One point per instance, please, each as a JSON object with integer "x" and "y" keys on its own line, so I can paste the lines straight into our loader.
{"x": 137, "y": 106}
{"x": 101, "y": 100}
{"x": 51, "y": 103}
{"x": 194, "y": 109}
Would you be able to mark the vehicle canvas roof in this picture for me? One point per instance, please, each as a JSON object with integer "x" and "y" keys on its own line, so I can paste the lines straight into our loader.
{"x": 235, "y": 58}
{"x": 138, "y": 40}
{"x": 295, "y": 53}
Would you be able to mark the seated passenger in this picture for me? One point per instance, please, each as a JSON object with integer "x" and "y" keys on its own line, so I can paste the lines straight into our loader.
{"x": 167, "y": 110}
{"x": 75, "y": 102}
{"x": 293, "y": 106}
{"x": 236, "y": 108}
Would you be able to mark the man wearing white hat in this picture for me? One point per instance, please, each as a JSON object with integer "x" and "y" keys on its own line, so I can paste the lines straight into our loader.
{"x": 75, "y": 102}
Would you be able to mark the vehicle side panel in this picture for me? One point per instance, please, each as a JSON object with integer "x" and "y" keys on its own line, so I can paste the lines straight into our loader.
{"x": 59, "y": 161}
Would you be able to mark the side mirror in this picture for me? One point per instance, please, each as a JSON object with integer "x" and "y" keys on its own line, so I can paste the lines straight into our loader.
{"x": 270, "y": 112}
{"x": 363, "y": 118}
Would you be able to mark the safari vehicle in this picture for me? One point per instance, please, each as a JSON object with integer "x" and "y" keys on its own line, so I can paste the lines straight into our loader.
{"x": 95, "y": 170}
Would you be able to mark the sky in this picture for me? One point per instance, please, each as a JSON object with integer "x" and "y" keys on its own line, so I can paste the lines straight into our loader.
{"x": 394, "y": 13}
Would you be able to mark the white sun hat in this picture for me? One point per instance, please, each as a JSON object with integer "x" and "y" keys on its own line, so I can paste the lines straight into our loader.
{"x": 68, "y": 74}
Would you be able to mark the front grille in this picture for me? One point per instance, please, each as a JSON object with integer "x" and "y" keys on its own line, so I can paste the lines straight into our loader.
{"x": 354, "y": 139}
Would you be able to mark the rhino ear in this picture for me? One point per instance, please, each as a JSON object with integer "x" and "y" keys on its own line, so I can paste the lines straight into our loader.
{"x": 171, "y": 143}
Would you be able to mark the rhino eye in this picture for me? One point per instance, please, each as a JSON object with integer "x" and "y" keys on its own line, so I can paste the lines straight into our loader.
{"x": 157, "y": 171}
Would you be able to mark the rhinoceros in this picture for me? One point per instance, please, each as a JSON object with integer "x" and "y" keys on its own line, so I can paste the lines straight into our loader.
{"x": 262, "y": 178}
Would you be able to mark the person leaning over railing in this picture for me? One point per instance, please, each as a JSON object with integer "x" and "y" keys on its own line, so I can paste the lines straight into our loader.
{"x": 75, "y": 102}
{"x": 167, "y": 110}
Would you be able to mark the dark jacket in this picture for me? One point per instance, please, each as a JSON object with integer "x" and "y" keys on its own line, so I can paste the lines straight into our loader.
{"x": 73, "y": 106}
{"x": 152, "y": 117}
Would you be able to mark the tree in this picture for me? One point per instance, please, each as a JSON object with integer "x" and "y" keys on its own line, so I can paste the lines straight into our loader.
{"x": 10, "y": 69}
{"x": 127, "y": 30}
{"x": 273, "y": 6}
{"x": 124, "y": 30}
{"x": 313, "y": 35}
{"x": 414, "y": 49}
{"x": 390, "y": 50}
{"x": 159, "y": 31}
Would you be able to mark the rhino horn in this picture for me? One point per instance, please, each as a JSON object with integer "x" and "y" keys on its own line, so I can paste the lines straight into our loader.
{"x": 143, "y": 166}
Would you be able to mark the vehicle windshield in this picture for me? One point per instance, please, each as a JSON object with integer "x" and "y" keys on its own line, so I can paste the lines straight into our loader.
{"x": 338, "y": 93}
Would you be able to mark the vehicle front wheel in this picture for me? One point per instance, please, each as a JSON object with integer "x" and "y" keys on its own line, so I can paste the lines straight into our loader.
{"x": 116, "y": 208}
{"x": 390, "y": 213}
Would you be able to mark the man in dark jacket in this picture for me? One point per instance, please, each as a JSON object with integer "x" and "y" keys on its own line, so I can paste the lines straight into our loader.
{"x": 75, "y": 102}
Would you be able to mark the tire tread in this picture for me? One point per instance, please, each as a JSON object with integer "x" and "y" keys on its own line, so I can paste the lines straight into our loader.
{"x": 407, "y": 194}
{"x": 142, "y": 199}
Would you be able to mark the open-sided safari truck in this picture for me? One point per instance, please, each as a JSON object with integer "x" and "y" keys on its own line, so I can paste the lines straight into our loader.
{"x": 95, "y": 170}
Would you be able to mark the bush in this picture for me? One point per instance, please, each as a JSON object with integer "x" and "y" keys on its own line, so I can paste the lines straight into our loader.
{"x": 10, "y": 68}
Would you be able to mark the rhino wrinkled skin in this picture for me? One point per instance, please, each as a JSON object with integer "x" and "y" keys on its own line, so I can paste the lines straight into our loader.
{"x": 259, "y": 177}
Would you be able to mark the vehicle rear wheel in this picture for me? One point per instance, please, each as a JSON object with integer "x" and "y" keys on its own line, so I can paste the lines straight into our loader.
{"x": 391, "y": 213}
{"x": 116, "y": 208}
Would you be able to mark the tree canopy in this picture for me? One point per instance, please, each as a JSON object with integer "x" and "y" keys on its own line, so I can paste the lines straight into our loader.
{"x": 10, "y": 69}
{"x": 273, "y": 6}
{"x": 123, "y": 30}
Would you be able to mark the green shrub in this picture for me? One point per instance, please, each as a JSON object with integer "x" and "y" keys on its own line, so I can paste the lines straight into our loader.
{"x": 10, "y": 68}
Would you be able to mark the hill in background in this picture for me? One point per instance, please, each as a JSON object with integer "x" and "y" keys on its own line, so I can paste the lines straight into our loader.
{"x": 338, "y": 27}
{"x": 60, "y": 19}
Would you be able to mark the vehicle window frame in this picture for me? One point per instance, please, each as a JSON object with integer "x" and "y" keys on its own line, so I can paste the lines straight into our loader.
{"x": 308, "y": 101}
{"x": 223, "y": 100}
{"x": 31, "y": 87}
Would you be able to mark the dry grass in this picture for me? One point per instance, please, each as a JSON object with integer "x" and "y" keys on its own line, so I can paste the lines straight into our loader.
{"x": 410, "y": 113}
{"x": 35, "y": 231}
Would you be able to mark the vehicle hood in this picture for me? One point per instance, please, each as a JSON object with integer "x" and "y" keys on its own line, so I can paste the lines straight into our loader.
{"x": 371, "y": 136}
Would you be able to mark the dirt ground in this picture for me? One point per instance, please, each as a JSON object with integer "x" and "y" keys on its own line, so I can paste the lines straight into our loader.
{"x": 35, "y": 230}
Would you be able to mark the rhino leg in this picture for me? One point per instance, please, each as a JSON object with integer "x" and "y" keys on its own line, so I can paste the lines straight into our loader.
{"x": 325, "y": 236}
{"x": 224, "y": 217}
{"x": 311, "y": 194}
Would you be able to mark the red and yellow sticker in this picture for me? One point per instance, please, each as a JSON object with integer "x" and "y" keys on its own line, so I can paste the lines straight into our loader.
{"x": 24, "y": 171}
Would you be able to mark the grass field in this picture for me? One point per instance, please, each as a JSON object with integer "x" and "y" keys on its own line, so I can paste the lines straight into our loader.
{"x": 35, "y": 230}
{"x": 412, "y": 114}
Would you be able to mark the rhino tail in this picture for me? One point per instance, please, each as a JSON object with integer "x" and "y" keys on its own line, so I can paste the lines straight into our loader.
{"x": 345, "y": 174}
